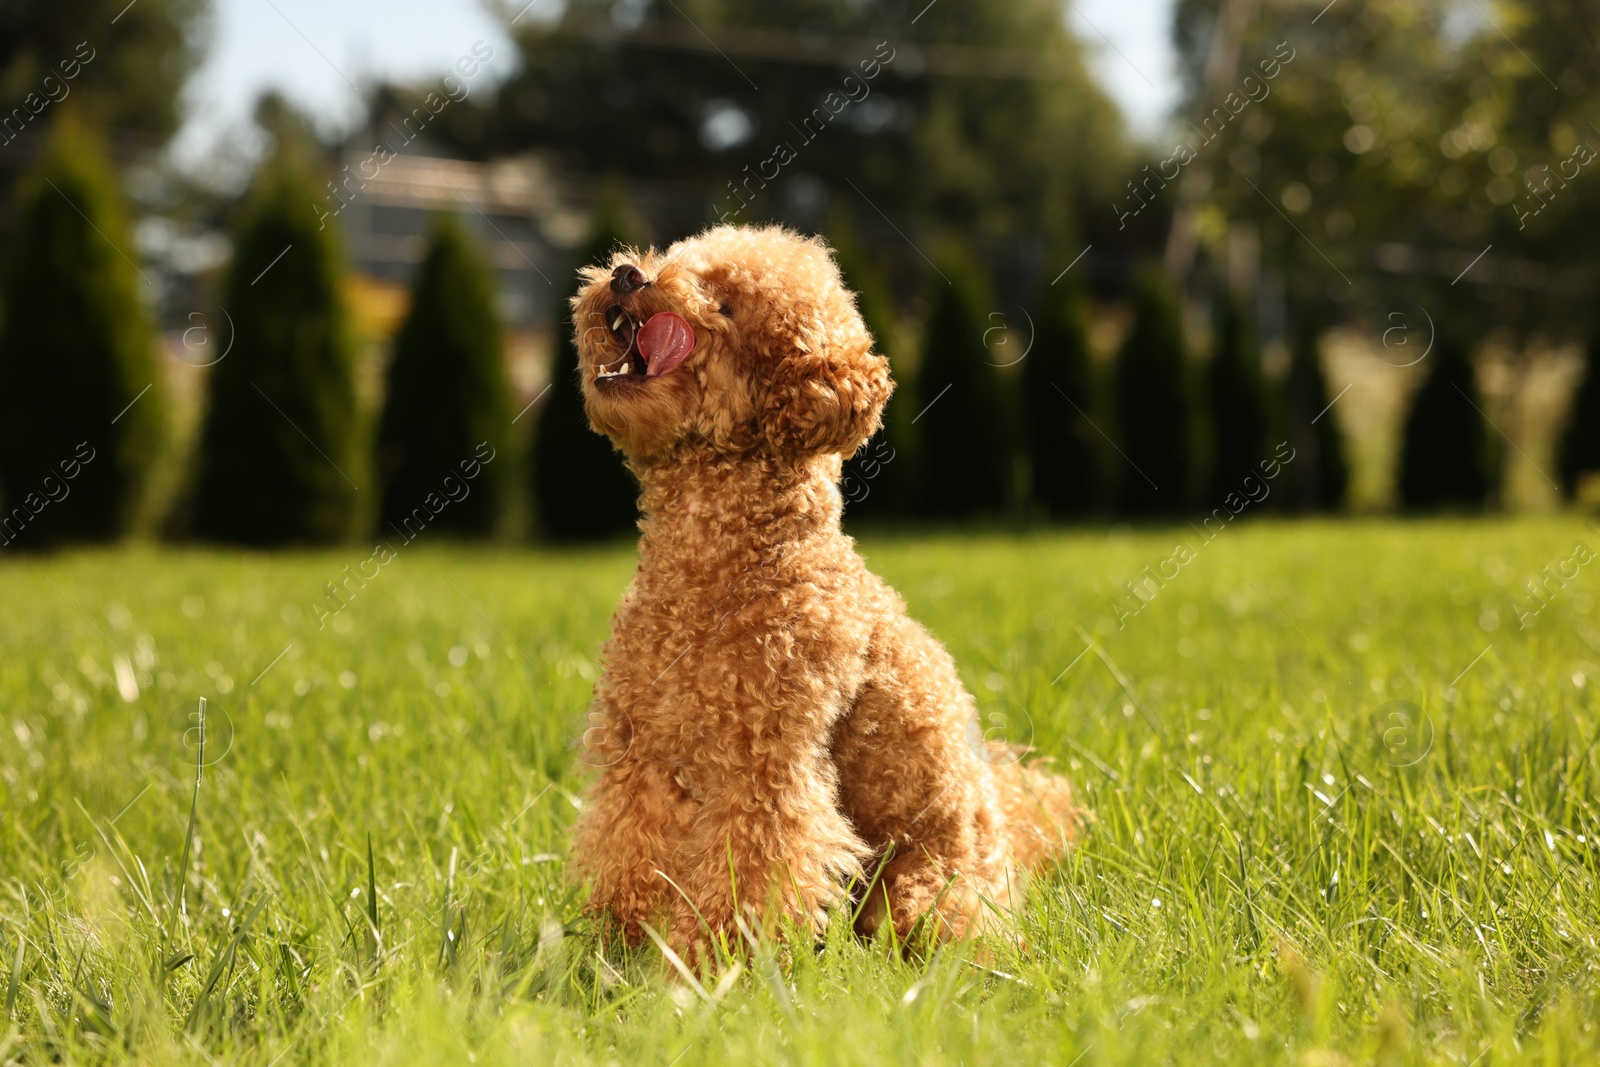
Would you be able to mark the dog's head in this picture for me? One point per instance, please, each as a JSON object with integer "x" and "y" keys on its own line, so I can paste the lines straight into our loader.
{"x": 740, "y": 339}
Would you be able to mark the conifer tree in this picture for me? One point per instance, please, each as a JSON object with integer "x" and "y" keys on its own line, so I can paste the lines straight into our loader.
{"x": 1058, "y": 401}
{"x": 80, "y": 398}
{"x": 279, "y": 446}
{"x": 1154, "y": 408}
{"x": 964, "y": 442}
{"x": 1579, "y": 453}
{"x": 879, "y": 479}
{"x": 1237, "y": 396}
{"x": 582, "y": 490}
{"x": 1444, "y": 458}
{"x": 1318, "y": 474}
{"x": 448, "y": 392}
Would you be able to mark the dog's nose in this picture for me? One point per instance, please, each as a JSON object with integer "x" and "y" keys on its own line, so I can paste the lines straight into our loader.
{"x": 626, "y": 278}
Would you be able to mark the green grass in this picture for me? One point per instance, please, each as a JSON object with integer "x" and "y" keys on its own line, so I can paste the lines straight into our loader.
{"x": 372, "y": 869}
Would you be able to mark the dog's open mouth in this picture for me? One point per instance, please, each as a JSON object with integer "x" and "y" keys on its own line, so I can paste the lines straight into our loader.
{"x": 648, "y": 351}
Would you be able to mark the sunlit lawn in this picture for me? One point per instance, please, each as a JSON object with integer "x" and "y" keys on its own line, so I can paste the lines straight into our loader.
{"x": 1344, "y": 808}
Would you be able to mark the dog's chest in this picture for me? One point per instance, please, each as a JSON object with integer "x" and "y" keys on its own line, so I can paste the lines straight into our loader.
{"x": 688, "y": 655}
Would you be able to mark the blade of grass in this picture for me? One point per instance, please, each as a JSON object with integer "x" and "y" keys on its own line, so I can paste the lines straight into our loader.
{"x": 374, "y": 932}
{"x": 116, "y": 854}
{"x": 677, "y": 963}
{"x": 446, "y": 946}
{"x": 729, "y": 977}
{"x": 888, "y": 854}
{"x": 16, "y": 979}
{"x": 194, "y": 808}
{"x": 767, "y": 967}
{"x": 702, "y": 919}
{"x": 931, "y": 916}
{"x": 221, "y": 963}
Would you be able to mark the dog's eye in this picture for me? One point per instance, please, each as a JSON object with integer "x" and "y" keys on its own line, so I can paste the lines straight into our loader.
{"x": 725, "y": 310}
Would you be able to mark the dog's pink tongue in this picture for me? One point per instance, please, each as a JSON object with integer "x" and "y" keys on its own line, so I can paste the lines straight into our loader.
{"x": 665, "y": 341}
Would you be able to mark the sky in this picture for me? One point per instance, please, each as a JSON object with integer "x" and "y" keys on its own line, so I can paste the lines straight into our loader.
{"x": 318, "y": 52}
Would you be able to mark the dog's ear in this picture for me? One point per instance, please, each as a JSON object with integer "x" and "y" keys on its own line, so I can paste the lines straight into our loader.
{"x": 827, "y": 399}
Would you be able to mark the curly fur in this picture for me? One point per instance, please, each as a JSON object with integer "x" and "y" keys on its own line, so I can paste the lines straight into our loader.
{"x": 773, "y": 725}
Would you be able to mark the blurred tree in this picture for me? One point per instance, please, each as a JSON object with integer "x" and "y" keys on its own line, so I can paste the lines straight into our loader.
{"x": 988, "y": 122}
{"x": 1057, "y": 397}
{"x": 448, "y": 391}
{"x": 1444, "y": 457}
{"x": 1521, "y": 131}
{"x": 1579, "y": 454}
{"x": 1413, "y": 156}
{"x": 880, "y": 479}
{"x": 1238, "y": 399}
{"x": 80, "y": 397}
{"x": 1318, "y": 475}
{"x": 122, "y": 64}
{"x": 964, "y": 441}
{"x": 286, "y": 125}
{"x": 279, "y": 446}
{"x": 1324, "y": 134}
{"x": 582, "y": 490}
{"x": 1154, "y": 408}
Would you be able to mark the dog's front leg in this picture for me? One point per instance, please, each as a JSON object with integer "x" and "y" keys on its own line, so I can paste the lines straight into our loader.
{"x": 635, "y": 822}
{"x": 769, "y": 841}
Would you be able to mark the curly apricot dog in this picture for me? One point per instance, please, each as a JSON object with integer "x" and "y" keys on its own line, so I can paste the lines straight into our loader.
{"x": 771, "y": 724}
